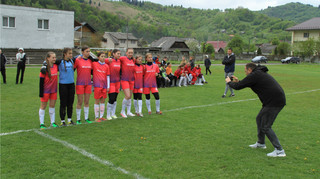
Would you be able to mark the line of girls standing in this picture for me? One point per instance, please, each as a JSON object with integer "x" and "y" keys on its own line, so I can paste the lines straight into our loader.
{"x": 108, "y": 74}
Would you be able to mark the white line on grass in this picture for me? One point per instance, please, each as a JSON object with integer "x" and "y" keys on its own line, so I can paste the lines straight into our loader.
{"x": 229, "y": 102}
{"x": 15, "y": 132}
{"x": 88, "y": 154}
{"x": 182, "y": 108}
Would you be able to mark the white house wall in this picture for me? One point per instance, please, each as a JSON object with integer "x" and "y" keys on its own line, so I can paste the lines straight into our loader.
{"x": 26, "y": 33}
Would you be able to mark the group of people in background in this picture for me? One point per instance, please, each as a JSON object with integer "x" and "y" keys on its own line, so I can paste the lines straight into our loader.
{"x": 108, "y": 74}
{"x": 187, "y": 73}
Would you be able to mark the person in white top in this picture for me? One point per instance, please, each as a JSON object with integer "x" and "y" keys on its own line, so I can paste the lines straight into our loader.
{"x": 21, "y": 58}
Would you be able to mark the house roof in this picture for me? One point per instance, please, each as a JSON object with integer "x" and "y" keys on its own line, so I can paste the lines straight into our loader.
{"x": 218, "y": 44}
{"x": 311, "y": 24}
{"x": 167, "y": 42}
{"x": 78, "y": 25}
{"x": 267, "y": 48}
{"x": 116, "y": 36}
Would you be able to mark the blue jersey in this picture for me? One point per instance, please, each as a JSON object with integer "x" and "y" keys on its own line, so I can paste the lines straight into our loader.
{"x": 66, "y": 72}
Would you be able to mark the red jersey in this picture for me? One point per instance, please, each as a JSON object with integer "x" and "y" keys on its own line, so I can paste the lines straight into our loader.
{"x": 100, "y": 73}
{"x": 115, "y": 67}
{"x": 50, "y": 85}
{"x": 197, "y": 71}
{"x": 127, "y": 68}
{"x": 187, "y": 69}
{"x": 138, "y": 76}
{"x": 149, "y": 80}
{"x": 177, "y": 73}
{"x": 83, "y": 67}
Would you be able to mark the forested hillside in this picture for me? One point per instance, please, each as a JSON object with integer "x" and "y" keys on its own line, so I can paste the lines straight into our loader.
{"x": 151, "y": 21}
{"x": 296, "y": 12}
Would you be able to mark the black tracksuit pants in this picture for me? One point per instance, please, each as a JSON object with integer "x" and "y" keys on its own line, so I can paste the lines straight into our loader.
{"x": 3, "y": 72}
{"x": 20, "y": 67}
{"x": 208, "y": 69}
{"x": 66, "y": 92}
{"x": 265, "y": 119}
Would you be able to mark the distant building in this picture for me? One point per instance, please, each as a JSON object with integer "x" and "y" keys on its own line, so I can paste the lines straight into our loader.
{"x": 170, "y": 44}
{"x": 119, "y": 40}
{"x": 83, "y": 33}
{"x": 35, "y": 28}
{"x": 266, "y": 48}
{"x": 219, "y": 46}
{"x": 305, "y": 30}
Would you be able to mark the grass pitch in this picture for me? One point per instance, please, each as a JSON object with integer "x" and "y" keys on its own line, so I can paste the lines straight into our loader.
{"x": 200, "y": 135}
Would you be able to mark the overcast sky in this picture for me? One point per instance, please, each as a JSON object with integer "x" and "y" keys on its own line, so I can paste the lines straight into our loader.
{"x": 223, "y": 4}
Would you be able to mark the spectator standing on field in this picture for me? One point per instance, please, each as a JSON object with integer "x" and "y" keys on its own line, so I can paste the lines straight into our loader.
{"x": 273, "y": 100}
{"x": 207, "y": 63}
{"x": 229, "y": 62}
{"x": 3, "y": 66}
{"x": 21, "y": 58}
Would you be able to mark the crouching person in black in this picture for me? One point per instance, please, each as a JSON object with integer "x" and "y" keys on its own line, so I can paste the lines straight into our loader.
{"x": 273, "y": 100}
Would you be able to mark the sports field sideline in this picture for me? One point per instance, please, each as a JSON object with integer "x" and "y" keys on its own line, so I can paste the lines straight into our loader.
{"x": 200, "y": 134}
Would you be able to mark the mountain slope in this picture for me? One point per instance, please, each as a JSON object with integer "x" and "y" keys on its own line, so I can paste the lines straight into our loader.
{"x": 151, "y": 21}
{"x": 297, "y": 12}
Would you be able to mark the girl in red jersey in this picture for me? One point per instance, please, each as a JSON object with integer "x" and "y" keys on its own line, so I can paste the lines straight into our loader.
{"x": 181, "y": 75}
{"x": 83, "y": 86}
{"x": 138, "y": 86}
{"x": 48, "y": 89}
{"x": 127, "y": 81}
{"x": 101, "y": 84}
{"x": 115, "y": 67}
{"x": 197, "y": 70}
{"x": 151, "y": 71}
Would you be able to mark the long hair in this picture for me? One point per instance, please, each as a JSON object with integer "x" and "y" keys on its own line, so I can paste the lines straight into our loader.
{"x": 49, "y": 65}
{"x": 65, "y": 51}
{"x": 114, "y": 52}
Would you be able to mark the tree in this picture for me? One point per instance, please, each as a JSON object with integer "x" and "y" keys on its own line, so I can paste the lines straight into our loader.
{"x": 275, "y": 41}
{"x": 193, "y": 46}
{"x": 275, "y": 51}
{"x": 259, "y": 51}
{"x": 236, "y": 44}
{"x": 283, "y": 48}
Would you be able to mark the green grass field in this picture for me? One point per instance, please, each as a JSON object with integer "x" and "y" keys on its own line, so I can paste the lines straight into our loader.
{"x": 199, "y": 135}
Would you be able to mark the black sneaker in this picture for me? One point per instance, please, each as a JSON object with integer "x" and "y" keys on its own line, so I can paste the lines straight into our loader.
{"x": 63, "y": 124}
{"x": 232, "y": 95}
{"x": 71, "y": 123}
{"x": 223, "y": 96}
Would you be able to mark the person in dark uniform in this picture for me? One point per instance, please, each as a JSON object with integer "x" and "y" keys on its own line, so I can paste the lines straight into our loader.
{"x": 273, "y": 100}
{"x": 21, "y": 57}
{"x": 3, "y": 66}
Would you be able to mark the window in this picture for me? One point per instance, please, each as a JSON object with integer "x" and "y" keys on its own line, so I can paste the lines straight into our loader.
{"x": 8, "y": 21}
{"x": 43, "y": 24}
{"x": 133, "y": 42}
{"x": 306, "y": 35}
{"x": 122, "y": 41}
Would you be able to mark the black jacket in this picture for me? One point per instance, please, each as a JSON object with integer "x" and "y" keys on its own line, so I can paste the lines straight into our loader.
{"x": 264, "y": 85}
{"x": 229, "y": 63}
{"x": 3, "y": 61}
{"x": 207, "y": 62}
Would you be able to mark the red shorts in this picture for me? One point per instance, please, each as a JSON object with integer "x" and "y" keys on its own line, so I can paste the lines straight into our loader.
{"x": 140, "y": 90}
{"x": 81, "y": 89}
{"x": 127, "y": 85}
{"x": 114, "y": 87}
{"x": 147, "y": 90}
{"x": 100, "y": 93}
{"x": 47, "y": 96}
